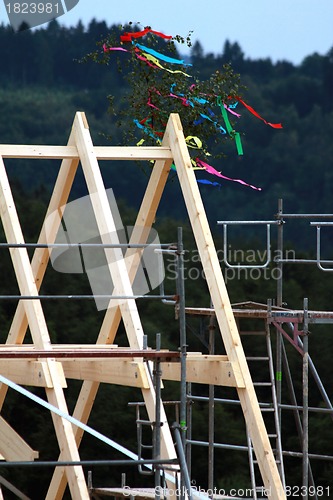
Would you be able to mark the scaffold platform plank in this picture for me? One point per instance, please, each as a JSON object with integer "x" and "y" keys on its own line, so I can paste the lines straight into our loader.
{"x": 22, "y": 352}
{"x": 276, "y": 315}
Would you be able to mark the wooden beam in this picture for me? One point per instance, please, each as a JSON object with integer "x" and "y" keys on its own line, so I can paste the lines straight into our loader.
{"x": 222, "y": 306}
{"x": 57, "y": 347}
{"x": 115, "y": 371}
{"x": 34, "y": 373}
{"x": 70, "y": 152}
{"x": 205, "y": 369}
{"x": 122, "y": 352}
{"x": 12, "y": 446}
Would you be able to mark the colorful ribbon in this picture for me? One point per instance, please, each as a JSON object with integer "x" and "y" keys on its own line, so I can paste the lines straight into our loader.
{"x": 153, "y": 59}
{"x": 254, "y": 112}
{"x": 205, "y": 181}
{"x": 160, "y": 56}
{"x": 231, "y": 110}
{"x": 193, "y": 142}
{"x": 127, "y": 36}
{"x": 148, "y": 130}
{"x": 213, "y": 171}
{"x": 232, "y": 133}
{"x": 109, "y": 49}
{"x": 150, "y": 58}
{"x": 215, "y": 122}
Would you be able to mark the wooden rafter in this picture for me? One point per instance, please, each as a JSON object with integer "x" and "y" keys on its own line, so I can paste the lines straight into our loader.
{"x": 222, "y": 306}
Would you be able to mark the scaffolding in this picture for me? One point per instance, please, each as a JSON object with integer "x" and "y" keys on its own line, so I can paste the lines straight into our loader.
{"x": 290, "y": 326}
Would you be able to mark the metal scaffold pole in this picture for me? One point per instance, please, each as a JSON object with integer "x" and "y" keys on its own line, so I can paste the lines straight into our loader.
{"x": 305, "y": 460}
{"x": 279, "y": 303}
{"x": 211, "y": 410}
{"x": 183, "y": 350}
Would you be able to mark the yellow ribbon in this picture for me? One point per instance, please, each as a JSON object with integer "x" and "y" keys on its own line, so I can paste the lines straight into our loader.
{"x": 154, "y": 60}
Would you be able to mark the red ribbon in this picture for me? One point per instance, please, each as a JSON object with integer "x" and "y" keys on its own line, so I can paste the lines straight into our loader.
{"x": 253, "y": 111}
{"x": 127, "y": 37}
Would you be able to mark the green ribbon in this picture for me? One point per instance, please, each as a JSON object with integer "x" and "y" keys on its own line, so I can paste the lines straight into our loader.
{"x": 232, "y": 132}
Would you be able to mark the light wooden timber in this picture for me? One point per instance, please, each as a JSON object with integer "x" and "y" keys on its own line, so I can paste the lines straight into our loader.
{"x": 202, "y": 369}
{"x": 27, "y": 372}
{"x": 222, "y": 306}
{"x": 29, "y": 277}
{"x": 12, "y": 446}
{"x": 71, "y": 152}
{"x": 205, "y": 369}
{"x": 61, "y": 347}
{"x": 120, "y": 372}
{"x": 32, "y": 353}
{"x": 41, "y": 256}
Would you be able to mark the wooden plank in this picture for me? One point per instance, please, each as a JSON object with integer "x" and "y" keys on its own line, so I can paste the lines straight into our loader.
{"x": 118, "y": 371}
{"x": 27, "y": 372}
{"x": 39, "y": 333}
{"x": 222, "y": 306}
{"x": 60, "y": 347}
{"x": 12, "y": 446}
{"x": 134, "y": 354}
{"x": 132, "y": 153}
{"x": 70, "y": 152}
{"x": 205, "y": 369}
{"x": 37, "y": 151}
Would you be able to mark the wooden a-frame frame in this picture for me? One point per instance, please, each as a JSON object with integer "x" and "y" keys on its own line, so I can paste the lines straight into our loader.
{"x": 52, "y": 372}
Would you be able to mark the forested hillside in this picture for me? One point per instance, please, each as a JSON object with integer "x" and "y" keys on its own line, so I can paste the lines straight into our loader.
{"x": 43, "y": 82}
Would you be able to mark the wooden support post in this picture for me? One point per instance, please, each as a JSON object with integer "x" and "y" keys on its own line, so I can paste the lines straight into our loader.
{"x": 222, "y": 306}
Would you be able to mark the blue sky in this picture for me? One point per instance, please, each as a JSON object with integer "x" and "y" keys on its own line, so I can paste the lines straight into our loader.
{"x": 279, "y": 29}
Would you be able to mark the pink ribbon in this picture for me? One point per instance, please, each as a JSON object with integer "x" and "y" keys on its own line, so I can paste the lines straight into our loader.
{"x": 213, "y": 171}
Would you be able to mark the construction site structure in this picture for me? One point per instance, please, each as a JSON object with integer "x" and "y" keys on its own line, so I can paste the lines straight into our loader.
{"x": 291, "y": 327}
{"x": 47, "y": 365}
